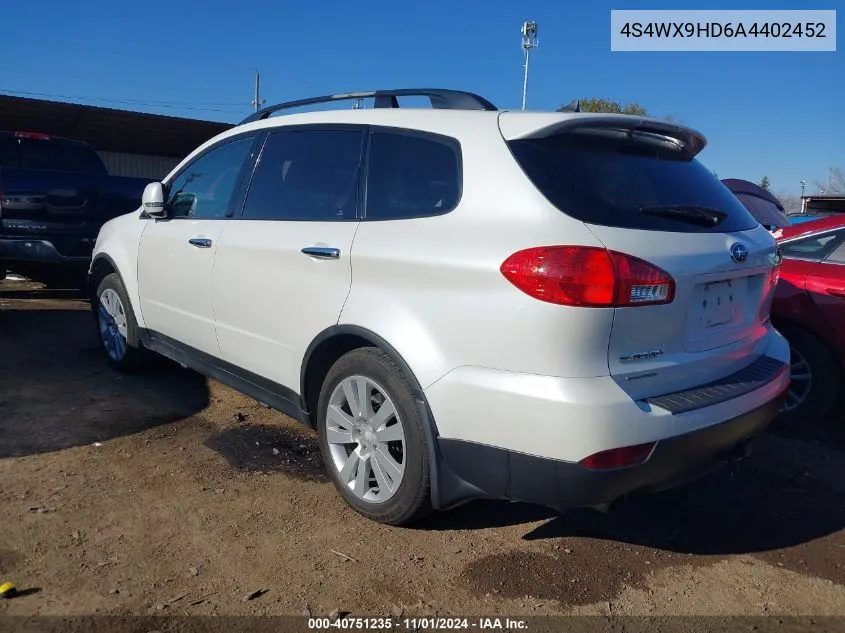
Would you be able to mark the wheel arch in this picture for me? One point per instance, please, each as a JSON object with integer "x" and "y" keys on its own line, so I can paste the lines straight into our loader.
{"x": 332, "y": 343}
{"x": 101, "y": 266}
{"x": 823, "y": 335}
{"x": 104, "y": 263}
{"x": 447, "y": 489}
{"x": 786, "y": 322}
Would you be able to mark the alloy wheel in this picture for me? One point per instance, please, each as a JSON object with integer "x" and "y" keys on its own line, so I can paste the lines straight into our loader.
{"x": 801, "y": 380}
{"x": 111, "y": 318}
{"x": 366, "y": 439}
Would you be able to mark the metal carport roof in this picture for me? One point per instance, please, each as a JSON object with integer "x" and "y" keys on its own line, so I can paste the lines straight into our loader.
{"x": 108, "y": 129}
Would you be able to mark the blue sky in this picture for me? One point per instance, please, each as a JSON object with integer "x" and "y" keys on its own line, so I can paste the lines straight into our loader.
{"x": 764, "y": 113}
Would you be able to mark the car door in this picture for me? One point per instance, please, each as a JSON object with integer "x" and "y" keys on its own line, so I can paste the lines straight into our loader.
{"x": 794, "y": 299}
{"x": 826, "y": 284}
{"x": 283, "y": 272}
{"x": 176, "y": 253}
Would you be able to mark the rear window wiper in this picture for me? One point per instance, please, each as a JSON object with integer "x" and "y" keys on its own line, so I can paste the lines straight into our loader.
{"x": 694, "y": 214}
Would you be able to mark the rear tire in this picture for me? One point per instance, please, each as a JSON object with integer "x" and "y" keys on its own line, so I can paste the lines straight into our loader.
{"x": 816, "y": 379}
{"x": 117, "y": 328}
{"x": 377, "y": 455}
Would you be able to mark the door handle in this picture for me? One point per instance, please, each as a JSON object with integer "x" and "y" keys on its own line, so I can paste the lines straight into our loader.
{"x": 200, "y": 242}
{"x": 322, "y": 252}
{"x": 836, "y": 292}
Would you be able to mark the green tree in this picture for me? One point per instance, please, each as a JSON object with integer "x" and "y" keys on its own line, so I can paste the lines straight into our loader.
{"x": 592, "y": 104}
{"x": 765, "y": 185}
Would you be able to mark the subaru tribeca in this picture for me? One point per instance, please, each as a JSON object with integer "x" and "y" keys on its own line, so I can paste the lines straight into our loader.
{"x": 562, "y": 308}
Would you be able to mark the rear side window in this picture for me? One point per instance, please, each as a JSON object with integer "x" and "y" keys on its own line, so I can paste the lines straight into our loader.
{"x": 56, "y": 155}
{"x": 814, "y": 247}
{"x": 838, "y": 255}
{"x": 615, "y": 180}
{"x": 411, "y": 176}
{"x": 306, "y": 175}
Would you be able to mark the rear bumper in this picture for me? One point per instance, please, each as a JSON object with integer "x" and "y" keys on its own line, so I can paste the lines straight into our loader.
{"x": 24, "y": 249}
{"x": 468, "y": 470}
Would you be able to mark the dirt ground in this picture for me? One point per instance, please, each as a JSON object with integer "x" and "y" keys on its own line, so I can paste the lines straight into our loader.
{"x": 169, "y": 494}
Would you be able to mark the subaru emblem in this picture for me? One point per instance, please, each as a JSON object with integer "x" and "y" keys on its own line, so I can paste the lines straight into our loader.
{"x": 739, "y": 252}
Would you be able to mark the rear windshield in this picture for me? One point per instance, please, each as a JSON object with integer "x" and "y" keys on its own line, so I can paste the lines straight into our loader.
{"x": 52, "y": 155}
{"x": 617, "y": 180}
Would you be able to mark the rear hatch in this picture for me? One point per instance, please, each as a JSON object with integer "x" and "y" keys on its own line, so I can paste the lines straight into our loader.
{"x": 638, "y": 187}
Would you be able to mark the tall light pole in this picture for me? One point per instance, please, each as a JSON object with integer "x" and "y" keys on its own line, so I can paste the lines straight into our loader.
{"x": 803, "y": 202}
{"x": 257, "y": 102}
{"x": 530, "y": 40}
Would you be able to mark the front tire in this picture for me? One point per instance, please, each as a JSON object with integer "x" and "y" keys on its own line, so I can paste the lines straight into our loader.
{"x": 117, "y": 328}
{"x": 373, "y": 440}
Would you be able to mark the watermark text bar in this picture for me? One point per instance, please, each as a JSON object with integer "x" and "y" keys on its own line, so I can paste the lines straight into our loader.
{"x": 728, "y": 30}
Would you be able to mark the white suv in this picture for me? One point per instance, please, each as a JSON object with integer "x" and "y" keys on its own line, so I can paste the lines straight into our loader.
{"x": 555, "y": 307}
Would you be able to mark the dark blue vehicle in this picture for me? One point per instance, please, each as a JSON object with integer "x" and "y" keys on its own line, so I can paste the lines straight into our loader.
{"x": 55, "y": 194}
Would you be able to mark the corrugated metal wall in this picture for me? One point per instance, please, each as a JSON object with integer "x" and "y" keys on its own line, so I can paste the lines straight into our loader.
{"x": 138, "y": 165}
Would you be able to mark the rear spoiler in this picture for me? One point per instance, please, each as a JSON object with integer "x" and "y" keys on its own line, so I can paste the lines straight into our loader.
{"x": 540, "y": 125}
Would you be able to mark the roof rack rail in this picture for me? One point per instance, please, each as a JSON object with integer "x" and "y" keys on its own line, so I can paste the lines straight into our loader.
{"x": 440, "y": 98}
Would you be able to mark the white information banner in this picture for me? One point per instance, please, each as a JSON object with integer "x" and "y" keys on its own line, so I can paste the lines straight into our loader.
{"x": 727, "y": 30}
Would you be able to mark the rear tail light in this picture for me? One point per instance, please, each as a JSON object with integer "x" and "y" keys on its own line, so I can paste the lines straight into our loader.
{"x": 777, "y": 259}
{"x": 774, "y": 276}
{"x": 33, "y": 135}
{"x": 588, "y": 276}
{"x": 619, "y": 457}
{"x": 768, "y": 295}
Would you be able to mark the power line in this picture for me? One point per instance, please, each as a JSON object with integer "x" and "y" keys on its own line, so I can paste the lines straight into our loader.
{"x": 157, "y": 104}
{"x": 45, "y": 77}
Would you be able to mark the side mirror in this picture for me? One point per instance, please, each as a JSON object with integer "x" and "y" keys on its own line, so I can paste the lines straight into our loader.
{"x": 153, "y": 200}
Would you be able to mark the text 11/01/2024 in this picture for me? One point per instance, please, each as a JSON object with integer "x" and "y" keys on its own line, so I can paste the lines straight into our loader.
{"x": 417, "y": 624}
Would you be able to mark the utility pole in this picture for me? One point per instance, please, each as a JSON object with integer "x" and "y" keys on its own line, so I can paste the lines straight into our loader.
{"x": 258, "y": 102}
{"x": 529, "y": 42}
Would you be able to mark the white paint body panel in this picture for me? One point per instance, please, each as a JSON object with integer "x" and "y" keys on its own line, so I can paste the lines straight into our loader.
{"x": 571, "y": 418}
{"x": 433, "y": 289}
{"x": 270, "y": 299}
{"x": 498, "y": 367}
{"x": 119, "y": 239}
{"x": 691, "y": 353}
{"x": 175, "y": 280}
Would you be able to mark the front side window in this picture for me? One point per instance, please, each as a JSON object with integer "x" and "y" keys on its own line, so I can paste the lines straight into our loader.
{"x": 411, "y": 176}
{"x": 306, "y": 175}
{"x": 204, "y": 188}
{"x": 814, "y": 247}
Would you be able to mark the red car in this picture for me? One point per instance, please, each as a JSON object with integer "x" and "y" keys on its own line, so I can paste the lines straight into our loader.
{"x": 809, "y": 310}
